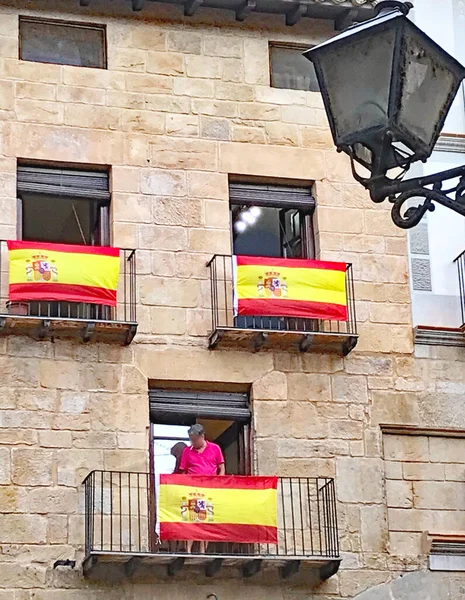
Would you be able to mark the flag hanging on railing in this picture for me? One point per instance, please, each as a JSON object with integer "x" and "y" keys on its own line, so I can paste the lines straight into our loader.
{"x": 285, "y": 287}
{"x": 221, "y": 509}
{"x": 62, "y": 272}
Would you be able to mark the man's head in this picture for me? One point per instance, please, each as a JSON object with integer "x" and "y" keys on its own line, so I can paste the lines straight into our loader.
{"x": 197, "y": 435}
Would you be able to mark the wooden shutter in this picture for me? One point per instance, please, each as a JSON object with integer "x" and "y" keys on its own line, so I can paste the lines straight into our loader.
{"x": 63, "y": 182}
{"x": 166, "y": 406}
{"x": 279, "y": 196}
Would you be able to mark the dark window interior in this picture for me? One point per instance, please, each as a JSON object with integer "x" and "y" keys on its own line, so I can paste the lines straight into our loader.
{"x": 64, "y": 220}
{"x": 62, "y": 43}
{"x": 290, "y": 70}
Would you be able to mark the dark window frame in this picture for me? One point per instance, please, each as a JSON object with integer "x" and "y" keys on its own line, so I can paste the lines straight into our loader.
{"x": 101, "y": 27}
{"x": 306, "y": 206}
{"x": 64, "y": 181}
{"x": 287, "y": 46}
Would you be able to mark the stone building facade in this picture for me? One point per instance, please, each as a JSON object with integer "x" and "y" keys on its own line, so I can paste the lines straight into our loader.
{"x": 184, "y": 107}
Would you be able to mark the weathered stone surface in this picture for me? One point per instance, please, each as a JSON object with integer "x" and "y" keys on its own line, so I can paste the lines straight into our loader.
{"x": 31, "y": 466}
{"x": 22, "y": 529}
{"x": 399, "y": 494}
{"x": 273, "y": 386}
{"x": 350, "y": 389}
{"x": 359, "y": 479}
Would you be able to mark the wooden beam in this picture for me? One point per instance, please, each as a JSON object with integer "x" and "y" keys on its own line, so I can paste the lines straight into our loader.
{"x": 294, "y": 15}
{"x": 213, "y": 567}
{"x": 245, "y": 9}
{"x": 191, "y": 7}
{"x": 138, "y": 5}
{"x": 175, "y": 566}
{"x": 290, "y": 569}
{"x": 251, "y": 568}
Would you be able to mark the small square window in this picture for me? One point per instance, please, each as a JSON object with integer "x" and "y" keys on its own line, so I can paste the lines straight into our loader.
{"x": 290, "y": 70}
{"x": 62, "y": 43}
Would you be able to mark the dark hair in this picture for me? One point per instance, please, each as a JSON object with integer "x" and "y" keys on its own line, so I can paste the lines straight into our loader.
{"x": 196, "y": 429}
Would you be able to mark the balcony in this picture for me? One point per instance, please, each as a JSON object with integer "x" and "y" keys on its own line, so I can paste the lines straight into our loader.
{"x": 120, "y": 525}
{"x": 460, "y": 262}
{"x": 87, "y": 322}
{"x": 279, "y": 333}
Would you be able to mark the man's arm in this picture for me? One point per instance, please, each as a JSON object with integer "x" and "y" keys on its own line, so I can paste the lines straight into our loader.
{"x": 221, "y": 469}
{"x": 183, "y": 463}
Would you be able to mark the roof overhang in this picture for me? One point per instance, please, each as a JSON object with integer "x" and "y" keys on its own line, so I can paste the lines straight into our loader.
{"x": 342, "y": 12}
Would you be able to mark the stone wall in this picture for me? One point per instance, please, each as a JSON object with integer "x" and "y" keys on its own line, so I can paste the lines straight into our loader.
{"x": 184, "y": 104}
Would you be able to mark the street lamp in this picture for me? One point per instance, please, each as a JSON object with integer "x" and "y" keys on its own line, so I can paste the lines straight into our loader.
{"x": 387, "y": 89}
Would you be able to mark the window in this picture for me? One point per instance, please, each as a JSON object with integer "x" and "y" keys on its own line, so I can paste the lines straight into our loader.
{"x": 63, "y": 206}
{"x": 290, "y": 70}
{"x": 62, "y": 43}
{"x": 226, "y": 419}
{"x": 66, "y": 206}
{"x": 275, "y": 221}
{"x": 271, "y": 220}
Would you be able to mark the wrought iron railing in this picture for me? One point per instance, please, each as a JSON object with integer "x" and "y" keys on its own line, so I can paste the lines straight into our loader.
{"x": 460, "y": 262}
{"x": 124, "y": 312}
{"x": 221, "y": 285}
{"x": 121, "y": 517}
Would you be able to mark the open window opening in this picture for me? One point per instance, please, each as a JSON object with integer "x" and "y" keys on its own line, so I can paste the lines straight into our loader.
{"x": 273, "y": 221}
{"x": 63, "y": 206}
{"x": 226, "y": 419}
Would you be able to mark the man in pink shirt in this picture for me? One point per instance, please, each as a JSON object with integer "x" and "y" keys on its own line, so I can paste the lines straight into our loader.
{"x": 202, "y": 458}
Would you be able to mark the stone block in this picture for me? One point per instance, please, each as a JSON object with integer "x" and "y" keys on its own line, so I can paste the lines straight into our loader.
{"x": 399, "y": 494}
{"x": 273, "y": 386}
{"x": 21, "y": 576}
{"x": 59, "y": 375}
{"x": 350, "y": 388}
{"x": 119, "y": 412}
{"x": 124, "y": 59}
{"x": 142, "y": 35}
{"x": 177, "y": 211}
{"x": 234, "y": 92}
{"x": 306, "y": 386}
{"x": 251, "y": 135}
{"x": 339, "y": 220}
{"x": 36, "y": 399}
{"x": 390, "y": 313}
{"x": 101, "y": 377}
{"x": 183, "y": 364}
{"x": 94, "y": 439}
{"x": 18, "y": 437}
{"x": 32, "y": 91}
{"x": 80, "y": 95}
{"x": 148, "y": 84}
{"x": 190, "y": 265}
{"x": 182, "y": 125}
{"x": 199, "y": 322}
{"x": 359, "y": 480}
{"x": 31, "y": 466}
{"x": 374, "y": 528}
{"x": 256, "y": 61}
{"x": 266, "y": 456}
{"x": 301, "y": 467}
{"x": 94, "y": 117}
{"x": 405, "y": 543}
{"x": 203, "y": 67}
{"x": 446, "y": 450}
{"x": 253, "y": 111}
{"x": 133, "y": 441}
{"x": 312, "y": 448}
{"x": 288, "y": 420}
{"x": 185, "y": 42}
{"x": 126, "y": 460}
{"x": 222, "y": 45}
{"x": 210, "y": 241}
{"x": 195, "y": 88}
{"x": 5, "y": 467}
{"x": 59, "y": 500}
{"x": 316, "y": 137}
{"x": 406, "y": 448}
{"x": 385, "y": 269}
{"x": 216, "y": 214}
{"x": 368, "y": 365}
{"x": 282, "y": 134}
{"x": 161, "y": 183}
{"x": 162, "y": 238}
{"x": 144, "y": 121}
{"x": 170, "y": 292}
{"x": 208, "y": 185}
{"x": 18, "y": 372}
{"x": 55, "y": 439}
{"x": 57, "y": 529}
{"x": 75, "y": 464}
{"x": 452, "y": 472}
{"x": 165, "y": 63}
{"x": 346, "y": 430}
{"x": 414, "y": 471}
{"x": 394, "y": 407}
{"x": 190, "y": 154}
{"x": 215, "y": 128}
{"x": 271, "y": 161}
{"x": 355, "y": 582}
{"x": 9, "y": 498}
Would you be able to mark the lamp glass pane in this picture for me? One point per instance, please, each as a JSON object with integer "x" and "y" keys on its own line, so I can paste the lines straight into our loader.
{"x": 426, "y": 89}
{"x": 357, "y": 77}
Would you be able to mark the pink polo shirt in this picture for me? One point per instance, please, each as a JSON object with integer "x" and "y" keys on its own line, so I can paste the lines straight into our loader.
{"x": 202, "y": 463}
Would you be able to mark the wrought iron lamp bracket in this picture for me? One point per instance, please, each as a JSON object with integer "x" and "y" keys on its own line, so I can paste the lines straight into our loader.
{"x": 430, "y": 188}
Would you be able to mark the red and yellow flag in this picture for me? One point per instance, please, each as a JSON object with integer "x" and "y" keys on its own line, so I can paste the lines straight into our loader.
{"x": 220, "y": 509}
{"x": 285, "y": 287}
{"x": 62, "y": 272}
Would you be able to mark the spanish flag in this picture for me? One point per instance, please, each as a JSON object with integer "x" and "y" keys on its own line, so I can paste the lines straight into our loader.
{"x": 62, "y": 272}
{"x": 220, "y": 509}
{"x": 282, "y": 287}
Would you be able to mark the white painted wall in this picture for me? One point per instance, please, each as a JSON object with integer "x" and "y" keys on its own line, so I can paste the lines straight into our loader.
{"x": 444, "y": 22}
